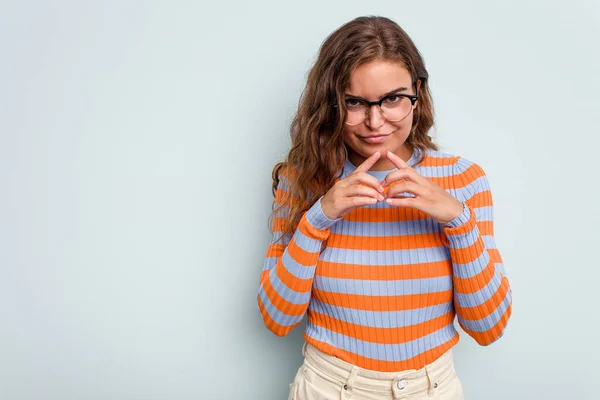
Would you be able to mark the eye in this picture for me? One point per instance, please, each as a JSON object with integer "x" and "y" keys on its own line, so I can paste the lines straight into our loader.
{"x": 353, "y": 103}
{"x": 394, "y": 98}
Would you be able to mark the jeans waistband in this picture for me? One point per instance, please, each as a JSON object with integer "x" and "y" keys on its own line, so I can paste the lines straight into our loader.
{"x": 406, "y": 382}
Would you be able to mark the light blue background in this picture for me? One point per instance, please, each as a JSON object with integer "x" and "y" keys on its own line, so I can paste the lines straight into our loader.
{"x": 137, "y": 141}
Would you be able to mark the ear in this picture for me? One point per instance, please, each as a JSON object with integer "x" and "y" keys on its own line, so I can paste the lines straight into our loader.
{"x": 418, "y": 88}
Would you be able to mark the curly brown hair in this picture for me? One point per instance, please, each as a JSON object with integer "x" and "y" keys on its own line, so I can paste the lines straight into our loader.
{"x": 318, "y": 150}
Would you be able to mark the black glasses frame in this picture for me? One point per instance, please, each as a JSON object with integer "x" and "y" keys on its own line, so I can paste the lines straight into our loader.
{"x": 412, "y": 97}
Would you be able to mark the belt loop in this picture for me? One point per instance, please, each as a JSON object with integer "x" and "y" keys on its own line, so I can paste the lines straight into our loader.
{"x": 347, "y": 389}
{"x": 432, "y": 378}
{"x": 304, "y": 348}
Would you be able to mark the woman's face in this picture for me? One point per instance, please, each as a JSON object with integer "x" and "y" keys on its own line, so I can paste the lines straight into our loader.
{"x": 372, "y": 81}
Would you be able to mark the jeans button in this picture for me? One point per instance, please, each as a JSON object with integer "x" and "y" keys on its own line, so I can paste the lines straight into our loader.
{"x": 402, "y": 384}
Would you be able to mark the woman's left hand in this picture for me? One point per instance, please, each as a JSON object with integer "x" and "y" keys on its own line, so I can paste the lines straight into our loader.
{"x": 429, "y": 197}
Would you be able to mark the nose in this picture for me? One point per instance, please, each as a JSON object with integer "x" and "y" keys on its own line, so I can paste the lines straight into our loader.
{"x": 375, "y": 117}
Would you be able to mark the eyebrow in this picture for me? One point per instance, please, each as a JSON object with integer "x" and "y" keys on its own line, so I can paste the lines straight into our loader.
{"x": 400, "y": 89}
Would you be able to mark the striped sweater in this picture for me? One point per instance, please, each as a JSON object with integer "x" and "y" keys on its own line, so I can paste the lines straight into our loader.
{"x": 381, "y": 286}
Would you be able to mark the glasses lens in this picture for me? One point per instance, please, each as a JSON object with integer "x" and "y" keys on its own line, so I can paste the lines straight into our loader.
{"x": 394, "y": 108}
{"x": 356, "y": 111}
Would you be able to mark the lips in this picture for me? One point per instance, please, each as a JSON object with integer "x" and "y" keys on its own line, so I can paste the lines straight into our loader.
{"x": 374, "y": 138}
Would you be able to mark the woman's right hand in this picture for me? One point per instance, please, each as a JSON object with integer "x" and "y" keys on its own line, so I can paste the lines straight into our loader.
{"x": 350, "y": 193}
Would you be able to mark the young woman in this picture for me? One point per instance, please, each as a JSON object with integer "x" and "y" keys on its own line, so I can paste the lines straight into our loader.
{"x": 378, "y": 236}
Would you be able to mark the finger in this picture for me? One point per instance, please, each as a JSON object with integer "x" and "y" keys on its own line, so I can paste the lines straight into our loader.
{"x": 365, "y": 179}
{"x": 358, "y": 201}
{"x": 406, "y": 186}
{"x": 404, "y": 202}
{"x": 397, "y": 161}
{"x": 401, "y": 174}
{"x": 369, "y": 162}
{"x": 360, "y": 190}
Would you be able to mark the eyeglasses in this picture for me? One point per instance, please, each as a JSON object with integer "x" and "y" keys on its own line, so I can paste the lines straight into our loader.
{"x": 394, "y": 107}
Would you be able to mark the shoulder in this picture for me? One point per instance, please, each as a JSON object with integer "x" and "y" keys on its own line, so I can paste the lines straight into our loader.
{"x": 456, "y": 165}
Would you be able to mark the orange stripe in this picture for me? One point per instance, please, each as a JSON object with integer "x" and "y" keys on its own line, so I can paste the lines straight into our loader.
{"x": 416, "y": 362}
{"x": 480, "y": 199}
{"x": 432, "y": 161}
{"x": 396, "y": 335}
{"x": 403, "y": 242}
{"x": 382, "y": 303}
{"x": 487, "y": 337}
{"x": 464, "y": 228}
{"x": 477, "y": 282}
{"x": 445, "y": 182}
{"x": 279, "y": 302}
{"x": 273, "y": 326}
{"x": 275, "y": 250}
{"x": 310, "y": 231}
{"x": 362, "y": 214}
{"x": 291, "y": 281}
{"x": 281, "y": 195}
{"x": 486, "y": 308}
{"x": 466, "y": 255}
{"x": 385, "y": 272}
{"x": 301, "y": 256}
{"x": 486, "y": 228}
{"x": 495, "y": 256}
{"x": 469, "y": 175}
{"x": 279, "y": 223}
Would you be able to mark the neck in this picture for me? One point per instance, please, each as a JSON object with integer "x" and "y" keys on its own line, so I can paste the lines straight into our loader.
{"x": 383, "y": 164}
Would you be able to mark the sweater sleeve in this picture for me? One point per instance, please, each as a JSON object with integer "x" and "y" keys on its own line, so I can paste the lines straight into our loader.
{"x": 289, "y": 266}
{"x": 482, "y": 294}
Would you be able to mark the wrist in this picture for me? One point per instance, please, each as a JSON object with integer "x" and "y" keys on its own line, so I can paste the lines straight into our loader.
{"x": 461, "y": 219}
{"x": 325, "y": 207}
{"x": 317, "y": 217}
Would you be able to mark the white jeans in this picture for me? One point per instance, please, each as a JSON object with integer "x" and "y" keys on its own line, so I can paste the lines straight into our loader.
{"x": 326, "y": 377}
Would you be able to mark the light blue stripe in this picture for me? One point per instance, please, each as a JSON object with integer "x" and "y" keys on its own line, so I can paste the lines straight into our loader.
{"x": 473, "y": 268}
{"x": 484, "y": 213}
{"x": 381, "y": 319}
{"x": 384, "y": 352}
{"x": 283, "y": 183}
{"x": 269, "y": 263}
{"x": 436, "y": 171}
{"x": 438, "y": 154}
{"x": 305, "y": 243}
{"x": 480, "y": 184}
{"x": 385, "y": 257}
{"x": 464, "y": 240}
{"x": 383, "y": 288}
{"x": 275, "y": 314}
{"x": 284, "y": 291}
{"x": 489, "y": 241}
{"x": 298, "y": 270}
{"x": 480, "y": 296}
{"x": 487, "y": 323}
{"x": 500, "y": 269}
{"x": 286, "y": 238}
{"x": 283, "y": 212}
{"x": 393, "y": 228}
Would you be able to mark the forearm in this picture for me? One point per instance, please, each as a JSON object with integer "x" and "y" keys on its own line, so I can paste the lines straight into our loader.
{"x": 288, "y": 273}
{"x": 482, "y": 295}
